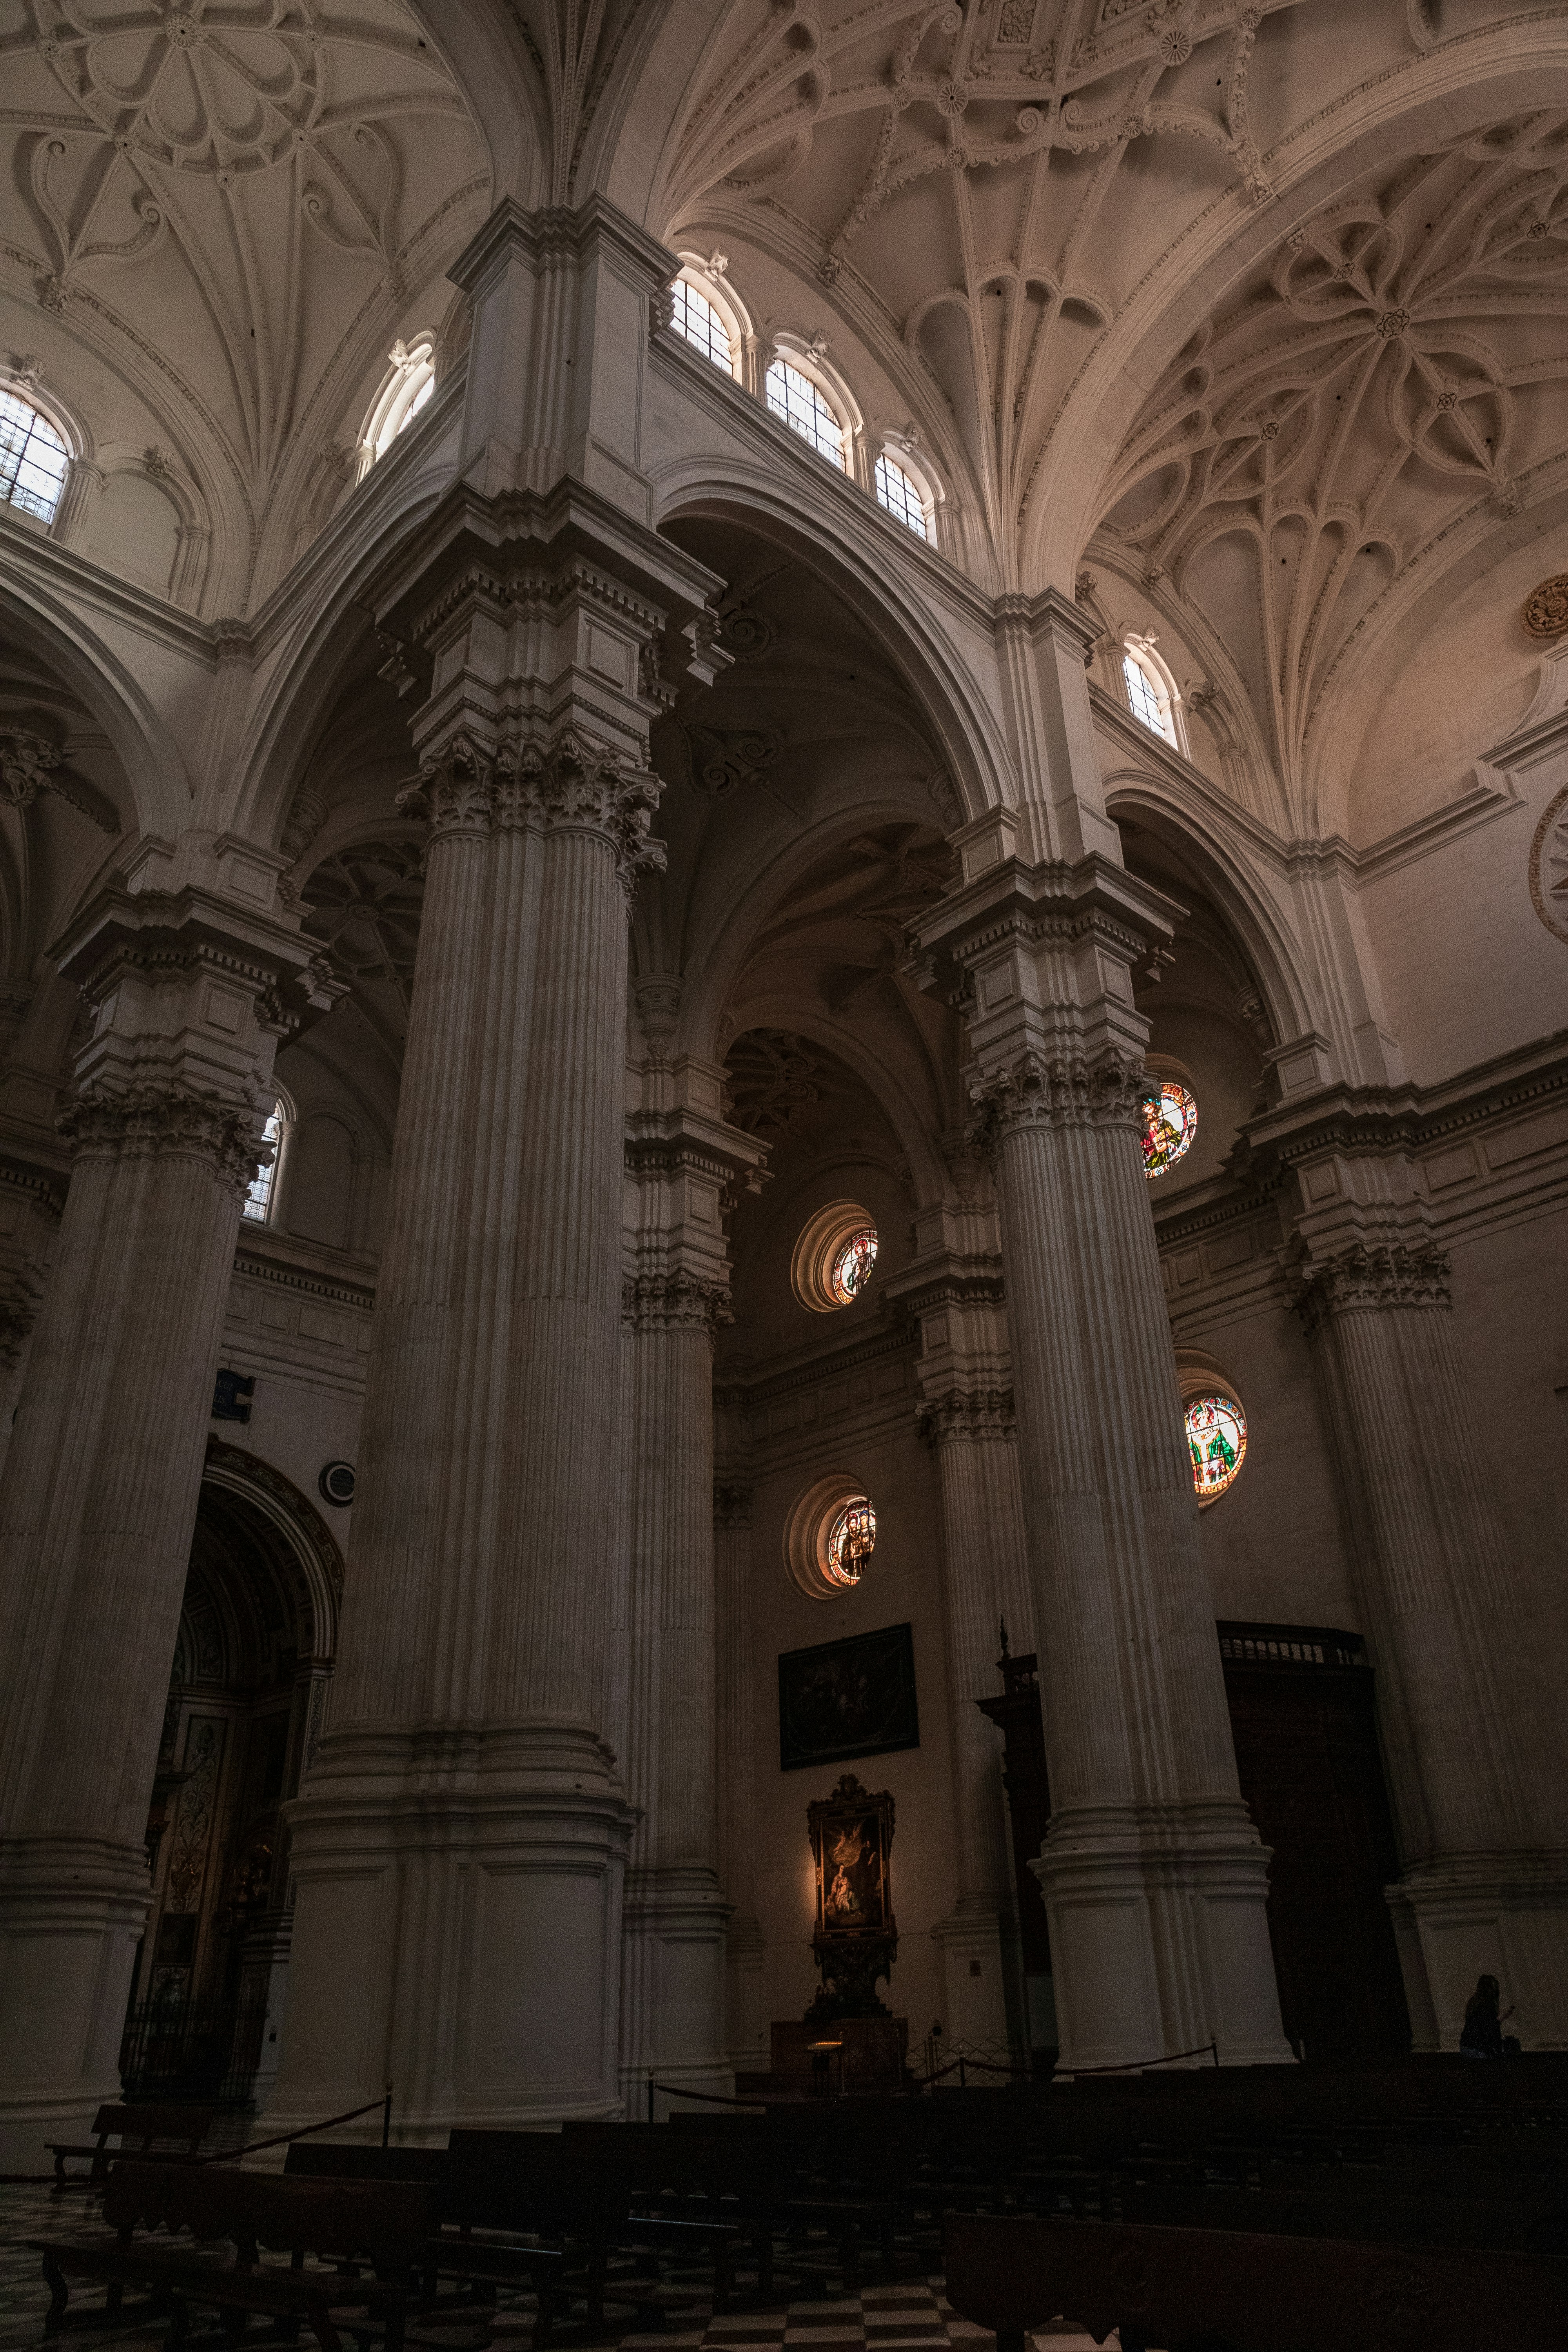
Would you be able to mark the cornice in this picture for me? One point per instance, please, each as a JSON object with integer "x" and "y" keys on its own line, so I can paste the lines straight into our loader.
{"x": 738, "y": 1393}
{"x": 249, "y": 1265}
{"x": 1405, "y": 1118}
{"x": 81, "y": 584}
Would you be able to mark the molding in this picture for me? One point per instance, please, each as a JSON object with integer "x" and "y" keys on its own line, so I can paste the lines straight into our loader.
{"x": 734, "y": 1393}
{"x": 249, "y": 1267}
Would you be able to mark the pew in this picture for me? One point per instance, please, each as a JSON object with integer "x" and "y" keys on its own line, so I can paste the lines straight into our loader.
{"x": 1244, "y": 2293}
{"x": 170, "y": 2133}
{"x": 170, "y": 2218}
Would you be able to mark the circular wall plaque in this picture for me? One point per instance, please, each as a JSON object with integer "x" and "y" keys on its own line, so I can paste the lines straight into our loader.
{"x": 1548, "y": 866}
{"x": 1546, "y": 607}
{"x": 337, "y": 1483}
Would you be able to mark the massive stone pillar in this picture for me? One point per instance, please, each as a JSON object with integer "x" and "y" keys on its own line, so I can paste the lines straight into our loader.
{"x": 1154, "y": 1879}
{"x": 681, "y": 1160}
{"x": 745, "y": 2028}
{"x": 1480, "y": 1826}
{"x": 189, "y": 989}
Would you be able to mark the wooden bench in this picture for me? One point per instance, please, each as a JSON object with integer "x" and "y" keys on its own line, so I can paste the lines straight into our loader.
{"x": 170, "y": 2219}
{"x": 1243, "y": 2292}
{"x": 170, "y": 2133}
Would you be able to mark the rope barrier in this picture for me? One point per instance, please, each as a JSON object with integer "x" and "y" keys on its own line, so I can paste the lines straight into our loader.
{"x": 227, "y": 2154}
{"x": 709, "y": 2098}
{"x": 1141, "y": 2065}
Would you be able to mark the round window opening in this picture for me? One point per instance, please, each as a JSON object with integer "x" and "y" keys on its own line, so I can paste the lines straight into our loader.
{"x": 834, "y": 1257}
{"x": 1217, "y": 1436}
{"x": 1170, "y": 1123}
{"x": 830, "y": 1537}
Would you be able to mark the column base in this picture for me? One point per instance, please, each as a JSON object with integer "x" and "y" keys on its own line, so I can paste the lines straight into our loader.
{"x": 974, "y": 1982}
{"x": 457, "y": 1930}
{"x": 673, "y": 1942}
{"x": 1159, "y": 1936}
{"x": 71, "y": 1912}
{"x": 1500, "y": 1915}
{"x": 745, "y": 2026}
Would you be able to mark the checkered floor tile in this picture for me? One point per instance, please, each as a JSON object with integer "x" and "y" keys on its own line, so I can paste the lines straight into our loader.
{"x": 907, "y": 2316}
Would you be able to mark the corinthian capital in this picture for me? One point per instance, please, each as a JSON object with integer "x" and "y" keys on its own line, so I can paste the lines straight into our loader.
{"x": 732, "y": 1504}
{"x": 673, "y": 1302}
{"x": 967, "y": 1417}
{"x": 567, "y": 785}
{"x": 1366, "y": 1278}
{"x": 1058, "y": 1091}
{"x": 159, "y": 1120}
{"x": 455, "y": 791}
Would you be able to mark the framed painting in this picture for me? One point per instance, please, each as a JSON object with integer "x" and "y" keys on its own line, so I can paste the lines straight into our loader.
{"x": 842, "y": 1699}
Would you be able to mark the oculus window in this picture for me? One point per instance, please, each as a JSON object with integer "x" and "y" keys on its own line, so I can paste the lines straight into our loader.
{"x": 1170, "y": 1123}
{"x": 830, "y": 1536}
{"x": 792, "y": 395}
{"x": 851, "y": 1540}
{"x": 1216, "y": 1439}
{"x": 896, "y": 490}
{"x": 33, "y": 459}
{"x": 696, "y": 319}
{"x": 834, "y": 1257}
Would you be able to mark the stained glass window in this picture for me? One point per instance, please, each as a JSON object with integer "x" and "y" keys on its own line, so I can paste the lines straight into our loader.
{"x": 851, "y": 1540}
{"x": 896, "y": 492}
{"x": 852, "y": 1267}
{"x": 1216, "y": 1433}
{"x": 1149, "y": 705}
{"x": 794, "y": 397}
{"x": 33, "y": 459}
{"x": 1170, "y": 1123}
{"x": 259, "y": 1199}
{"x": 696, "y": 319}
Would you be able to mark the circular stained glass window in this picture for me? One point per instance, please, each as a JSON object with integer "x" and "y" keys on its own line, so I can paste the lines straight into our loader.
{"x": 851, "y": 1540}
{"x": 1216, "y": 1433}
{"x": 852, "y": 1266}
{"x": 1170, "y": 1123}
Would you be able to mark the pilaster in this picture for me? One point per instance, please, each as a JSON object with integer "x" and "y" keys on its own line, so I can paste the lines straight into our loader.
{"x": 189, "y": 993}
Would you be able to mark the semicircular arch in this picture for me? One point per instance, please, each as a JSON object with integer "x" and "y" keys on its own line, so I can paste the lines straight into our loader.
{"x": 311, "y": 1547}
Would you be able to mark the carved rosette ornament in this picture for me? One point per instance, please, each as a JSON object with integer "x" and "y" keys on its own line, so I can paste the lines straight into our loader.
{"x": 732, "y": 1506}
{"x": 1546, "y": 607}
{"x": 967, "y": 1417}
{"x": 1058, "y": 1091}
{"x": 673, "y": 1302}
{"x": 1366, "y": 1279}
{"x": 157, "y": 1121}
{"x": 1549, "y": 867}
{"x": 571, "y": 786}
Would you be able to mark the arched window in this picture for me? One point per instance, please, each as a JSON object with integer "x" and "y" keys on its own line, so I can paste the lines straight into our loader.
{"x": 1170, "y": 1123}
{"x": 1216, "y": 1439}
{"x": 701, "y": 324}
{"x": 33, "y": 458}
{"x": 897, "y": 490}
{"x": 408, "y": 385}
{"x": 263, "y": 1190}
{"x": 1149, "y": 691}
{"x": 792, "y": 395}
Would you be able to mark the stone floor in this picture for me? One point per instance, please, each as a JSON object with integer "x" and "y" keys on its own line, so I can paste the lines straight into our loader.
{"x": 910, "y": 2316}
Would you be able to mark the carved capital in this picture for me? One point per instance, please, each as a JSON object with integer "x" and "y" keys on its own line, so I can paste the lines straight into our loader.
{"x": 570, "y": 785}
{"x": 673, "y": 1302}
{"x": 158, "y": 1120}
{"x": 1362, "y": 1280}
{"x": 967, "y": 1417}
{"x": 731, "y": 1504}
{"x": 1058, "y": 1091}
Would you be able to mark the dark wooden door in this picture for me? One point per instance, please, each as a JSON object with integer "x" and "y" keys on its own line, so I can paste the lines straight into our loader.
{"x": 1306, "y": 1756}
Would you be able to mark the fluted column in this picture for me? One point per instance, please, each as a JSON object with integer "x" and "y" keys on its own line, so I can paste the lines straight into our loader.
{"x": 99, "y": 1493}
{"x": 1154, "y": 1879}
{"x": 1480, "y": 1827}
{"x": 746, "y": 2028}
{"x": 459, "y": 1847}
{"x": 673, "y": 1991}
{"x": 972, "y": 1432}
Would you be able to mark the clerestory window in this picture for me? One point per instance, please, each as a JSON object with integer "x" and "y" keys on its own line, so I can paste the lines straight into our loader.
{"x": 33, "y": 458}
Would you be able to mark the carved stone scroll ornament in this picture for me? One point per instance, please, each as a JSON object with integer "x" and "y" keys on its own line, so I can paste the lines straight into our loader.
{"x": 967, "y": 1417}
{"x": 29, "y": 765}
{"x": 673, "y": 1302}
{"x": 1370, "y": 1280}
{"x": 570, "y": 785}
{"x": 1058, "y": 1091}
{"x": 154, "y": 1121}
{"x": 1546, "y": 607}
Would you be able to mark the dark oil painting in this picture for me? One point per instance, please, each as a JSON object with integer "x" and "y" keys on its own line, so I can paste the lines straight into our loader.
{"x": 847, "y": 1698}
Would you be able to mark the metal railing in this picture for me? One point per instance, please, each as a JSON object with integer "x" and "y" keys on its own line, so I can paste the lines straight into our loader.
{"x": 203, "y": 2050}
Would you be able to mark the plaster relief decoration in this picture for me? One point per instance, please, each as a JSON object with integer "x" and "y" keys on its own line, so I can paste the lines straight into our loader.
{"x": 363, "y": 904}
{"x": 1546, "y": 608}
{"x": 958, "y": 173}
{"x": 232, "y": 201}
{"x": 1380, "y": 384}
{"x": 1549, "y": 867}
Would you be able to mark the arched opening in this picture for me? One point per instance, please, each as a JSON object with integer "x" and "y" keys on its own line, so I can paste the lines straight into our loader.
{"x": 245, "y": 1705}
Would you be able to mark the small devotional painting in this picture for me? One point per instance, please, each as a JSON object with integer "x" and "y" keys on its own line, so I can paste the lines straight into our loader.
{"x": 847, "y": 1698}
